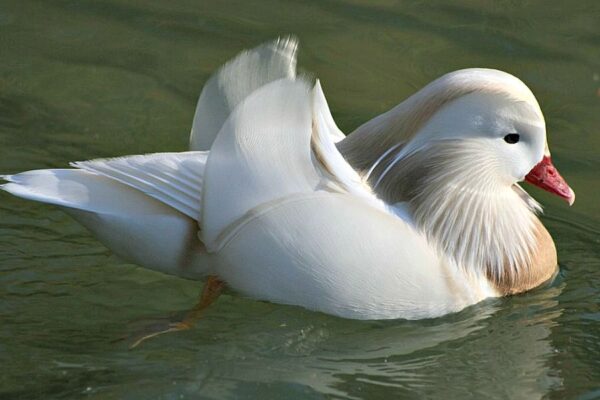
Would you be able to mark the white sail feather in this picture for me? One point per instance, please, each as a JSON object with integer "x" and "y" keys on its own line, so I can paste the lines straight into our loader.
{"x": 330, "y": 161}
{"x": 262, "y": 153}
{"x": 278, "y": 142}
{"x": 235, "y": 81}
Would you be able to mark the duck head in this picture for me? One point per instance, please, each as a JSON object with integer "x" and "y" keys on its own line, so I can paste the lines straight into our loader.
{"x": 484, "y": 119}
{"x": 504, "y": 127}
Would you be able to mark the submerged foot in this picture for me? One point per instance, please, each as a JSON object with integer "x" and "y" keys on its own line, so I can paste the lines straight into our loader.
{"x": 210, "y": 292}
{"x": 172, "y": 327}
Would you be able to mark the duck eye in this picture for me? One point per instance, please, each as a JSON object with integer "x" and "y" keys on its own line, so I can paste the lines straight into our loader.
{"x": 512, "y": 138}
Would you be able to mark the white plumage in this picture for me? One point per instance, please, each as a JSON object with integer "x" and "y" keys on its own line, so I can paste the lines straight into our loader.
{"x": 415, "y": 215}
{"x": 172, "y": 178}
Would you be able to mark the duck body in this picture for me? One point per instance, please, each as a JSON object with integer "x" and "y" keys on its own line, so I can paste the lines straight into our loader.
{"x": 379, "y": 277}
{"x": 276, "y": 202}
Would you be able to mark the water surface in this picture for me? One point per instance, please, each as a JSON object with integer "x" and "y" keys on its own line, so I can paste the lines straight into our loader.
{"x": 81, "y": 80}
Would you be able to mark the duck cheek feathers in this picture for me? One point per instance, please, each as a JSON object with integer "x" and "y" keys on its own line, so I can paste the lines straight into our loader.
{"x": 545, "y": 176}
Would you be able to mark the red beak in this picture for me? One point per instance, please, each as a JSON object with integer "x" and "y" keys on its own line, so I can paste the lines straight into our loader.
{"x": 545, "y": 176}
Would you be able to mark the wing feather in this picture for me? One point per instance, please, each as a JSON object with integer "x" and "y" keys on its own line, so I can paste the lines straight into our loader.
{"x": 276, "y": 144}
{"x": 235, "y": 81}
{"x": 173, "y": 178}
{"x": 325, "y": 134}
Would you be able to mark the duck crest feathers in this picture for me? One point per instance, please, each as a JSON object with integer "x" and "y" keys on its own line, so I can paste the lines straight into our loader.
{"x": 364, "y": 147}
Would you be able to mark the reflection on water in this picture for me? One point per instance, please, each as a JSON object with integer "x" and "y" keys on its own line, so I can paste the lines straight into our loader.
{"x": 510, "y": 348}
{"x": 90, "y": 79}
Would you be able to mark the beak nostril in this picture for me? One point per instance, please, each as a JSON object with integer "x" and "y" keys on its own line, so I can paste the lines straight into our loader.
{"x": 545, "y": 176}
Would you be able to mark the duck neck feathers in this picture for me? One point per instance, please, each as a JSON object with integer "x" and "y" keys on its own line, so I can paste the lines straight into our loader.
{"x": 481, "y": 226}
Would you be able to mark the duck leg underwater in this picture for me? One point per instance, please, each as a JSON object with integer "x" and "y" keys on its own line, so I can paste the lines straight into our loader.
{"x": 210, "y": 293}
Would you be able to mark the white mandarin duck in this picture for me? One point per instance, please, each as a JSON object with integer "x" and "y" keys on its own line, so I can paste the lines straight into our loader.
{"x": 416, "y": 214}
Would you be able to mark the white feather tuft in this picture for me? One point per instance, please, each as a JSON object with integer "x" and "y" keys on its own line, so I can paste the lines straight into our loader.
{"x": 458, "y": 203}
{"x": 235, "y": 81}
{"x": 172, "y": 178}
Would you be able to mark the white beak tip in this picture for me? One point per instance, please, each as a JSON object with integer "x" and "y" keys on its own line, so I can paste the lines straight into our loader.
{"x": 571, "y": 197}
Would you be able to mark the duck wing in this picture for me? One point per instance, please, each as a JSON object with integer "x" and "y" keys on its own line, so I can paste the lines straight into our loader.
{"x": 289, "y": 221}
{"x": 172, "y": 178}
{"x": 235, "y": 81}
{"x": 277, "y": 143}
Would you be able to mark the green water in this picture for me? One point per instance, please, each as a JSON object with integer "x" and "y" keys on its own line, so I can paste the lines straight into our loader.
{"x": 87, "y": 79}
